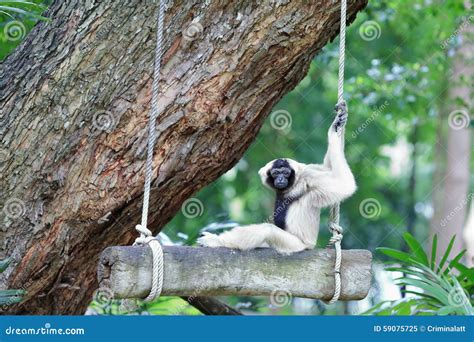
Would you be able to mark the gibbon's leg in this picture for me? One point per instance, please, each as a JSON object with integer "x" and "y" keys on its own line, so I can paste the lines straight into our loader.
{"x": 253, "y": 236}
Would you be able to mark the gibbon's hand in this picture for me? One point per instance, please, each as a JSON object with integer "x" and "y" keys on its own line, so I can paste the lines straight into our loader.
{"x": 341, "y": 116}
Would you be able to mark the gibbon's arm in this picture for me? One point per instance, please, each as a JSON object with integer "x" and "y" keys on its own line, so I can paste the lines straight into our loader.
{"x": 333, "y": 181}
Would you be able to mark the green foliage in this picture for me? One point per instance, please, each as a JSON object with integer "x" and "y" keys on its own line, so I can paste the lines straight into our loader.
{"x": 17, "y": 18}
{"x": 161, "y": 306}
{"x": 9, "y": 297}
{"x": 436, "y": 287}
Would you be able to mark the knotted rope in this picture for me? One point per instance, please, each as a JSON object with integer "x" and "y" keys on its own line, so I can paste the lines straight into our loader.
{"x": 146, "y": 237}
{"x": 334, "y": 213}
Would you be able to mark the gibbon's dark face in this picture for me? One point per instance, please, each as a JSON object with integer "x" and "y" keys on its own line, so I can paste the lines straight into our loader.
{"x": 281, "y": 176}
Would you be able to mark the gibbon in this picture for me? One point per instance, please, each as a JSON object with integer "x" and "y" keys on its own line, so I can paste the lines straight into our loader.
{"x": 301, "y": 191}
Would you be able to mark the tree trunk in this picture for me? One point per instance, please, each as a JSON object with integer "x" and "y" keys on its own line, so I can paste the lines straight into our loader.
{"x": 451, "y": 208}
{"x": 468, "y": 235}
{"x": 74, "y": 101}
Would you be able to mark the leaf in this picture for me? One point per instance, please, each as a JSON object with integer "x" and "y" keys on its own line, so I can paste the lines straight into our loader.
{"x": 446, "y": 310}
{"x": 464, "y": 272}
{"x": 22, "y": 12}
{"x": 446, "y": 254}
{"x": 404, "y": 308}
{"x": 10, "y": 300}
{"x": 426, "y": 297}
{"x": 9, "y": 293}
{"x": 434, "y": 247}
{"x": 394, "y": 253}
{"x": 416, "y": 247}
{"x": 455, "y": 260}
{"x": 432, "y": 288}
{"x": 4, "y": 264}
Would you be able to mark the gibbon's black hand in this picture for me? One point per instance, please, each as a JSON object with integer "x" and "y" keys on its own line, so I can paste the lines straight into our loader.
{"x": 341, "y": 116}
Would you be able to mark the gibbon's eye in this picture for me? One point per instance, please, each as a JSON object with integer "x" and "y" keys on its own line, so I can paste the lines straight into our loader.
{"x": 280, "y": 172}
{"x": 274, "y": 172}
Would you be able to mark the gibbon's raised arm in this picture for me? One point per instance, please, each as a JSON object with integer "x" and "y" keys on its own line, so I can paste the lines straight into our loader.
{"x": 332, "y": 182}
{"x": 301, "y": 189}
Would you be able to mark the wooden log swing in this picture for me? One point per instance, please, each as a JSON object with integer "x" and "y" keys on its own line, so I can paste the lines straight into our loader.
{"x": 198, "y": 271}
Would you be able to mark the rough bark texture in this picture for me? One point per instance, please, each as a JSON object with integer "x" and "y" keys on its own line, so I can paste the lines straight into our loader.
{"x": 74, "y": 99}
{"x": 194, "y": 271}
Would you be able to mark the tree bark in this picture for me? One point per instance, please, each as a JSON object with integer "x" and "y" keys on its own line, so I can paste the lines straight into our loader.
{"x": 74, "y": 100}
{"x": 452, "y": 206}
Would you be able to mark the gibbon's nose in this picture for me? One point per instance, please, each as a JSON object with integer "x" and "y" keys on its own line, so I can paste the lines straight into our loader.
{"x": 280, "y": 183}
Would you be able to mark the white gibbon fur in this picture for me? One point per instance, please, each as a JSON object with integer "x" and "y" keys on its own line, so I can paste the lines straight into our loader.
{"x": 298, "y": 206}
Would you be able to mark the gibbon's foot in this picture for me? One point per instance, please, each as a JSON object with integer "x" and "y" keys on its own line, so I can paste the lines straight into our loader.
{"x": 341, "y": 116}
{"x": 209, "y": 240}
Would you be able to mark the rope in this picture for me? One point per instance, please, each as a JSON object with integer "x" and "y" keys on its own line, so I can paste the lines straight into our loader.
{"x": 146, "y": 237}
{"x": 334, "y": 213}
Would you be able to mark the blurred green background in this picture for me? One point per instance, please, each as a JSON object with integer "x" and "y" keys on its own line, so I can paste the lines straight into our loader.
{"x": 399, "y": 62}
